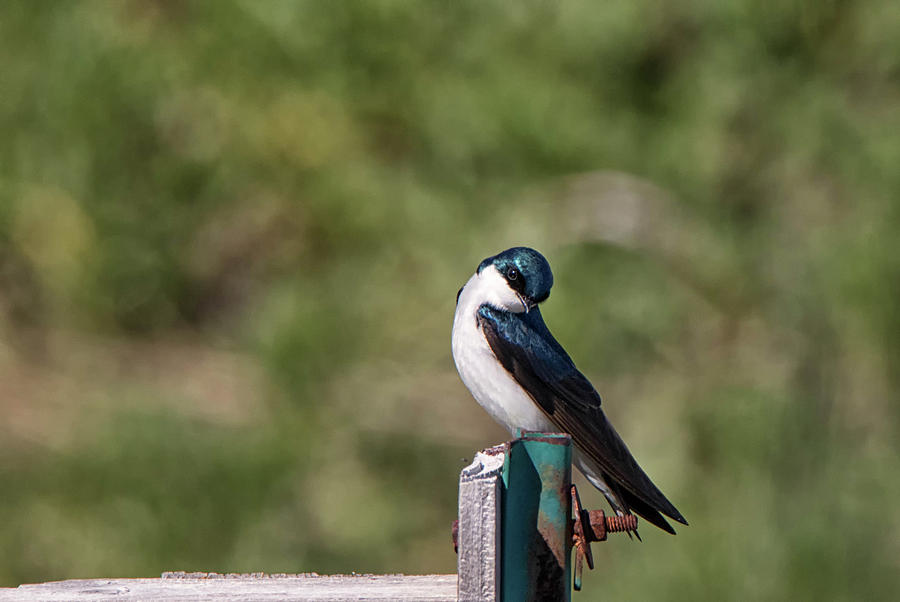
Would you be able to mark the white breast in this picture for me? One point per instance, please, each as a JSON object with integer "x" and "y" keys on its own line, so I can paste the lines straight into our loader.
{"x": 485, "y": 377}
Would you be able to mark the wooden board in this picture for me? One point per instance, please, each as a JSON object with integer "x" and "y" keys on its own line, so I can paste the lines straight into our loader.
{"x": 255, "y": 586}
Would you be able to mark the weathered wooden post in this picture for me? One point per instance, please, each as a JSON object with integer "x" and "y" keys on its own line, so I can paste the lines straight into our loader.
{"x": 515, "y": 533}
{"x": 478, "y": 539}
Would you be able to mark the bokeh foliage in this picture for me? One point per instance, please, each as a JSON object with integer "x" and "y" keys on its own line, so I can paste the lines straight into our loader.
{"x": 231, "y": 233}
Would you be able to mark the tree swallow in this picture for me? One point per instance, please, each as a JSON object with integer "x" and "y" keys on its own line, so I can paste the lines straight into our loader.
{"x": 516, "y": 370}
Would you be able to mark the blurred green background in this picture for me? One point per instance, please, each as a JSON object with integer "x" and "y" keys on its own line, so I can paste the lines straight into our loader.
{"x": 231, "y": 234}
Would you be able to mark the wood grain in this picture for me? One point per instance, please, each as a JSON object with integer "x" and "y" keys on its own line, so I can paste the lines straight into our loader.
{"x": 255, "y": 586}
{"x": 479, "y": 526}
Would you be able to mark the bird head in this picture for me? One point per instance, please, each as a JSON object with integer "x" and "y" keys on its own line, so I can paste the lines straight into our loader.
{"x": 516, "y": 279}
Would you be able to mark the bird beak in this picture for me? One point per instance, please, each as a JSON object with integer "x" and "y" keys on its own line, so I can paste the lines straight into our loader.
{"x": 526, "y": 302}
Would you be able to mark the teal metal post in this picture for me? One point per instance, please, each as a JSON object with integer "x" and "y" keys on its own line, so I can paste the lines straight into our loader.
{"x": 536, "y": 518}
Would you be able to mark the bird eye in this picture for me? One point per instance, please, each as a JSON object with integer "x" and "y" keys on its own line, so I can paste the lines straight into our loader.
{"x": 512, "y": 273}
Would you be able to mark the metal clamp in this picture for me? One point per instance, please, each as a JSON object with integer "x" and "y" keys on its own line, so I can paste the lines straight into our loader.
{"x": 598, "y": 526}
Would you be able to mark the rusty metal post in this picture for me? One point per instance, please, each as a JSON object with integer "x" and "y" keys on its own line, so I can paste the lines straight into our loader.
{"x": 536, "y": 518}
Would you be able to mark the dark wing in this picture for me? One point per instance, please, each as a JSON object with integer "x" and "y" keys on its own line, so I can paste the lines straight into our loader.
{"x": 525, "y": 347}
